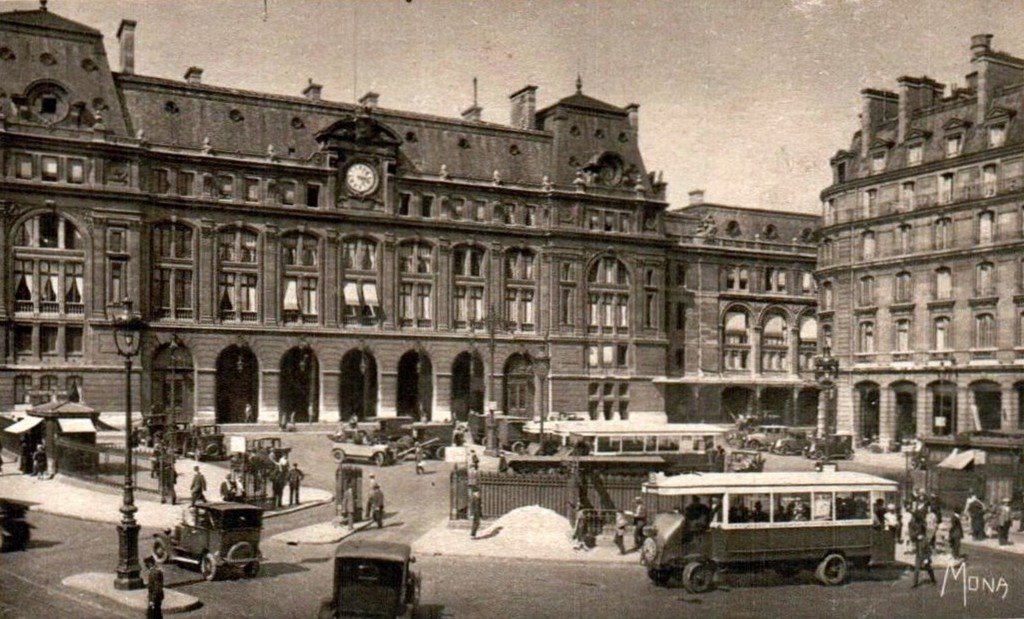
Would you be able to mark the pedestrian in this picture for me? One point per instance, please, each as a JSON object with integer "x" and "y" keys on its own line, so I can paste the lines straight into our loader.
{"x": 227, "y": 488}
{"x": 892, "y": 521}
{"x": 376, "y": 505}
{"x": 1005, "y": 520}
{"x": 1017, "y": 507}
{"x": 198, "y": 487}
{"x": 168, "y": 479}
{"x": 282, "y": 421}
{"x": 931, "y": 526}
{"x": 473, "y": 476}
{"x": 621, "y": 522}
{"x": 250, "y": 414}
{"x": 639, "y": 521}
{"x": 155, "y": 589}
{"x": 419, "y": 460}
{"x": 905, "y": 519}
{"x": 975, "y": 509}
{"x": 291, "y": 421}
{"x": 475, "y": 511}
{"x": 39, "y": 462}
{"x": 295, "y": 477}
{"x": 277, "y": 479}
{"x": 956, "y": 533}
{"x": 25, "y": 463}
{"x": 348, "y": 507}
{"x": 922, "y": 549}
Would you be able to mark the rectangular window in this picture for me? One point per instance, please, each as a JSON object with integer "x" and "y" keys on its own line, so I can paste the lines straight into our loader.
{"x": 24, "y": 167}
{"x": 853, "y": 506}
{"x": 907, "y": 191}
{"x": 312, "y": 195}
{"x": 792, "y": 507}
{"x": 945, "y": 188}
{"x": 186, "y": 183}
{"x": 902, "y": 335}
{"x": 309, "y": 296}
{"x": 247, "y": 292}
{"x": 480, "y": 211}
{"x": 49, "y": 168}
{"x": 878, "y": 162}
{"x": 161, "y": 182}
{"x": 225, "y": 187}
{"x": 73, "y": 340}
{"x": 989, "y": 180}
{"x": 423, "y": 308}
{"x": 426, "y": 206}
{"x": 288, "y": 193}
{"x": 183, "y": 289}
{"x": 23, "y": 339}
{"x": 621, "y": 355}
{"x": 252, "y": 190}
{"x": 953, "y": 145}
{"x": 404, "y": 200}
{"x": 996, "y": 135}
{"x": 567, "y": 306}
{"x": 48, "y": 338}
{"x": 650, "y": 310}
{"x": 76, "y": 171}
{"x": 530, "y": 215}
{"x": 914, "y": 154}
{"x": 985, "y": 227}
{"x": 680, "y": 316}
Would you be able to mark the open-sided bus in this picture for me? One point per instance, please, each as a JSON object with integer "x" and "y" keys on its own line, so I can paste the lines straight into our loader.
{"x": 787, "y": 521}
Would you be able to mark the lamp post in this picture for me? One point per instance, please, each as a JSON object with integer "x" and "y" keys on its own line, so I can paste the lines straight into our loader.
{"x": 494, "y": 324}
{"x": 542, "y": 366}
{"x": 947, "y": 368}
{"x": 128, "y": 328}
{"x": 826, "y": 371}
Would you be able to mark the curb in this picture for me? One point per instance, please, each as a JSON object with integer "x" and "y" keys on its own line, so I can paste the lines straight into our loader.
{"x": 300, "y": 507}
{"x": 341, "y": 534}
{"x": 602, "y": 562}
{"x": 101, "y": 584}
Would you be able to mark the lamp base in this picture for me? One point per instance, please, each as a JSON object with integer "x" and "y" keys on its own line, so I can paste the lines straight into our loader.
{"x": 129, "y": 574}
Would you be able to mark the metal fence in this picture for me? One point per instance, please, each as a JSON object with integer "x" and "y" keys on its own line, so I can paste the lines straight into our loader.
{"x": 105, "y": 463}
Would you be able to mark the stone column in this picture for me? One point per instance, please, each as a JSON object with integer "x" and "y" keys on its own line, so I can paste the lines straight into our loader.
{"x": 886, "y": 417}
{"x": 205, "y": 279}
{"x": 966, "y": 412}
{"x": 755, "y": 353}
{"x": 443, "y": 291}
{"x": 924, "y": 411}
{"x": 389, "y": 288}
{"x": 824, "y": 400}
{"x": 271, "y": 279}
{"x": 794, "y": 351}
{"x": 332, "y": 287}
{"x": 1011, "y": 406}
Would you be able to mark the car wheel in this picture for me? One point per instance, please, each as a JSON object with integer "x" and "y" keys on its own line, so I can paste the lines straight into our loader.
{"x": 161, "y": 551}
{"x": 212, "y": 451}
{"x": 832, "y": 570}
{"x": 698, "y": 577}
{"x": 380, "y": 459}
{"x": 339, "y": 455}
{"x": 519, "y": 447}
{"x": 207, "y": 567}
{"x": 251, "y": 570}
{"x": 439, "y": 453}
{"x": 755, "y": 444}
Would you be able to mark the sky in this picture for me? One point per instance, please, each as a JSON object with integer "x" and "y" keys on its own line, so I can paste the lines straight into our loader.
{"x": 745, "y": 99}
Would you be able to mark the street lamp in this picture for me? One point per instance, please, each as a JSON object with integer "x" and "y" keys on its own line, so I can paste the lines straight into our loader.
{"x": 826, "y": 372}
{"x": 947, "y": 368}
{"x": 542, "y": 365}
{"x": 128, "y": 327}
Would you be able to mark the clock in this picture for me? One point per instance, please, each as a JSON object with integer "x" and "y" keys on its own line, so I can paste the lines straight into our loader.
{"x": 361, "y": 178}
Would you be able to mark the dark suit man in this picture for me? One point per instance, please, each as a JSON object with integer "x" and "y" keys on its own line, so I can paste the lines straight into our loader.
{"x": 198, "y": 487}
{"x": 295, "y": 477}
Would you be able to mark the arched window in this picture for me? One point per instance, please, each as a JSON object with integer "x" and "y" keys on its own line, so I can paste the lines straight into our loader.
{"x": 520, "y": 288}
{"x": 238, "y": 274}
{"x": 943, "y": 233}
{"x": 943, "y": 283}
{"x": 416, "y": 283}
{"x": 774, "y": 344}
{"x": 300, "y": 278}
{"x": 736, "y": 336}
{"x": 49, "y": 267}
{"x": 984, "y": 279}
{"x": 986, "y": 227}
{"x": 808, "y": 341}
{"x": 469, "y": 271}
{"x": 608, "y": 296}
{"x": 984, "y": 331}
{"x": 173, "y": 271}
{"x": 359, "y": 283}
{"x": 902, "y": 287}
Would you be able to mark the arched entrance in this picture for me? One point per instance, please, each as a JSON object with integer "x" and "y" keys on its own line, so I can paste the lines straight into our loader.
{"x": 415, "y": 386}
{"x": 869, "y": 410}
{"x": 300, "y": 385}
{"x": 943, "y": 408}
{"x": 738, "y": 402}
{"x": 519, "y": 387}
{"x": 467, "y": 385}
{"x": 905, "y": 400}
{"x": 173, "y": 384}
{"x": 357, "y": 396}
{"x": 237, "y": 385}
{"x": 777, "y": 405}
{"x": 807, "y": 407}
{"x": 988, "y": 402}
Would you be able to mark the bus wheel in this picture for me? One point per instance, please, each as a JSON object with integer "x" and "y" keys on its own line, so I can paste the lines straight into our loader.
{"x": 698, "y": 577}
{"x": 659, "y": 577}
{"x": 832, "y": 570}
{"x": 519, "y": 447}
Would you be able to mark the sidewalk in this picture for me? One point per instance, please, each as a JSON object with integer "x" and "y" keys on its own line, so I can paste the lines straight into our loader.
{"x": 1016, "y": 546}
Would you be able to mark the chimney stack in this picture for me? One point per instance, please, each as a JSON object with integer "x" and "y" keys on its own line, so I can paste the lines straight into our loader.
{"x": 980, "y": 44}
{"x": 696, "y": 197}
{"x": 992, "y": 71}
{"x": 915, "y": 93}
{"x": 194, "y": 75}
{"x": 369, "y": 100}
{"x": 633, "y": 109}
{"x": 472, "y": 113}
{"x": 879, "y": 106}
{"x": 126, "y": 38}
{"x": 524, "y": 108}
{"x": 312, "y": 91}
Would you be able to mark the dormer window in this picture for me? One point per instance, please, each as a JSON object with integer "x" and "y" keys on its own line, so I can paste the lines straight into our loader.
{"x": 997, "y": 135}
{"x": 914, "y": 153}
{"x": 878, "y": 162}
{"x": 954, "y": 144}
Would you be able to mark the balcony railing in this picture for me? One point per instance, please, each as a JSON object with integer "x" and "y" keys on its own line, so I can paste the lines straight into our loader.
{"x": 248, "y": 316}
{"x": 49, "y": 307}
{"x": 24, "y": 306}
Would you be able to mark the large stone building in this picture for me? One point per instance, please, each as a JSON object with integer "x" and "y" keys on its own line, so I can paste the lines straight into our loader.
{"x": 324, "y": 259}
{"x": 920, "y": 270}
{"x": 741, "y": 307}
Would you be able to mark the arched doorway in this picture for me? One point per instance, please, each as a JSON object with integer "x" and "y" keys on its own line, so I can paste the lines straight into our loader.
{"x": 467, "y": 385}
{"x": 519, "y": 387}
{"x": 357, "y": 396}
{"x": 905, "y": 400}
{"x": 943, "y": 408}
{"x": 807, "y": 407}
{"x": 415, "y": 386}
{"x": 777, "y": 405}
{"x": 237, "y": 385}
{"x": 988, "y": 402}
{"x": 173, "y": 384}
{"x": 869, "y": 410}
{"x": 738, "y": 402}
{"x": 300, "y": 385}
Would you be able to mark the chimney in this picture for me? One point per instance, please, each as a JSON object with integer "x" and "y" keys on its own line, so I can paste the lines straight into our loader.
{"x": 879, "y": 105}
{"x": 633, "y": 109}
{"x": 980, "y": 44}
{"x": 126, "y": 38}
{"x": 312, "y": 91}
{"x": 194, "y": 75}
{"x": 369, "y": 100}
{"x": 993, "y": 70}
{"x": 696, "y": 197}
{"x": 472, "y": 113}
{"x": 915, "y": 93}
{"x": 524, "y": 108}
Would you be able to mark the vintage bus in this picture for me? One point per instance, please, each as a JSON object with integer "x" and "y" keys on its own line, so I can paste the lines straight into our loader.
{"x": 787, "y": 521}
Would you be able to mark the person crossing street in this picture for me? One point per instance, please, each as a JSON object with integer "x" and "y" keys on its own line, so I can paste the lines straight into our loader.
{"x": 295, "y": 477}
{"x": 376, "y": 505}
{"x": 198, "y": 487}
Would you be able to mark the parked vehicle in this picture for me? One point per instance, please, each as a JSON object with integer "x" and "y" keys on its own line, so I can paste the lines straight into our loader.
{"x": 15, "y": 531}
{"x": 223, "y": 536}
{"x": 441, "y": 432}
{"x": 763, "y": 437}
{"x": 794, "y": 443}
{"x": 205, "y": 442}
{"x": 380, "y": 454}
{"x": 831, "y": 447}
{"x": 744, "y": 461}
{"x": 373, "y": 579}
{"x": 272, "y": 443}
{"x": 787, "y": 521}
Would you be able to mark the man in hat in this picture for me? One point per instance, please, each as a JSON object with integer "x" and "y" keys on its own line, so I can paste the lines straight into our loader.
{"x": 639, "y": 521}
{"x": 956, "y": 533}
{"x": 155, "y": 589}
{"x": 376, "y": 505}
{"x": 228, "y": 488}
{"x": 198, "y": 487}
{"x": 475, "y": 511}
{"x": 348, "y": 507}
{"x": 976, "y": 512}
{"x": 1005, "y": 520}
{"x": 295, "y": 477}
{"x": 922, "y": 548}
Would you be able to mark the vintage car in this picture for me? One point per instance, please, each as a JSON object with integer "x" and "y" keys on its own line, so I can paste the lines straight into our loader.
{"x": 763, "y": 437}
{"x": 794, "y": 443}
{"x": 785, "y": 521}
{"x": 380, "y": 454}
{"x": 216, "y": 537}
{"x": 272, "y": 443}
{"x": 15, "y": 532}
{"x": 373, "y": 579}
{"x": 205, "y": 442}
{"x": 439, "y": 434}
{"x": 831, "y": 447}
{"x": 744, "y": 461}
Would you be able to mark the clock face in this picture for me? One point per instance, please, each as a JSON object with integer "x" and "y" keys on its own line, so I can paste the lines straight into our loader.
{"x": 361, "y": 178}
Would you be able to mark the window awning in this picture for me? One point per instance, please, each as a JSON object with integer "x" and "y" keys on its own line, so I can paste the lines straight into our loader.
{"x": 76, "y": 425}
{"x": 958, "y": 461}
{"x": 351, "y": 293}
{"x": 291, "y": 295}
{"x": 24, "y": 425}
{"x": 370, "y": 294}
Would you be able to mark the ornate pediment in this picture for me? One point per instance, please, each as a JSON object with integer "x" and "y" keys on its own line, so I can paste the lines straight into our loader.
{"x": 841, "y": 155}
{"x": 955, "y": 124}
{"x": 999, "y": 114}
{"x": 916, "y": 134}
{"x": 359, "y": 130}
{"x": 881, "y": 144}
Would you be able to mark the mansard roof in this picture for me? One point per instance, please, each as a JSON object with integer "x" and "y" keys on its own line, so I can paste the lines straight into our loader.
{"x": 41, "y": 18}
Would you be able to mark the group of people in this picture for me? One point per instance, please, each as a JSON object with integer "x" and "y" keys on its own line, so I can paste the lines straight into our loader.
{"x": 638, "y": 518}
{"x": 374, "y": 504}
{"x": 33, "y": 460}
{"x": 1000, "y": 517}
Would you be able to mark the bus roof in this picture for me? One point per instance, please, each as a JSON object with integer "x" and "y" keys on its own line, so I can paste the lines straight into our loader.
{"x": 720, "y": 483}
{"x": 629, "y": 427}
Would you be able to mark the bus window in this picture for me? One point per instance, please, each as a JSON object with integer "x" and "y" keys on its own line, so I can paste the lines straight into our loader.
{"x": 821, "y": 506}
{"x": 702, "y": 511}
{"x": 632, "y": 444}
{"x": 792, "y": 507}
{"x": 852, "y": 506}
{"x": 668, "y": 443}
{"x": 745, "y": 508}
{"x": 607, "y": 444}
{"x": 709, "y": 443}
{"x": 698, "y": 444}
{"x": 650, "y": 444}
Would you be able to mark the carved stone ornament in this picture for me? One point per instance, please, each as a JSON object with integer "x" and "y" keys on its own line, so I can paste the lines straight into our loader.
{"x": 546, "y": 183}
{"x": 444, "y": 172}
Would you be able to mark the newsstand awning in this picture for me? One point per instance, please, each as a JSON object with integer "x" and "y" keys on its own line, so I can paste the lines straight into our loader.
{"x": 76, "y": 426}
{"x": 958, "y": 461}
{"x": 24, "y": 425}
